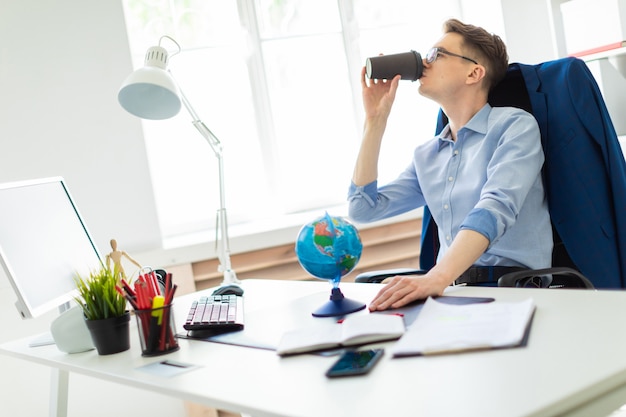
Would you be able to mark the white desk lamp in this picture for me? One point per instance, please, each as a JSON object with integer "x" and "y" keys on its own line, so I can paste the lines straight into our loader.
{"x": 152, "y": 93}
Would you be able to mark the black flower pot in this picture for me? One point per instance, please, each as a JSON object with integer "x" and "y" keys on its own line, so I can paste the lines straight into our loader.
{"x": 110, "y": 335}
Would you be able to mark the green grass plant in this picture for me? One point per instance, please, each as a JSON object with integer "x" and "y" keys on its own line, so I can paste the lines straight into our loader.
{"x": 98, "y": 296}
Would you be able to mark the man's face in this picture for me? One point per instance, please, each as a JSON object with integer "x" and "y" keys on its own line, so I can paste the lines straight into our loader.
{"x": 443, "y": 78}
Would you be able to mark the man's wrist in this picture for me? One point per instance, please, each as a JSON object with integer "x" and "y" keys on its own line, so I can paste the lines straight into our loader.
{"x": 442, "y": 277}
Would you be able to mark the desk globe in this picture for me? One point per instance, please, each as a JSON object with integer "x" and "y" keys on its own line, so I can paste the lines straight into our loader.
{"x": 329, "y": 248}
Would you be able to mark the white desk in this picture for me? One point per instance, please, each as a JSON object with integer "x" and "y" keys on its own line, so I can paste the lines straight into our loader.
{"x": 574, "y": 365}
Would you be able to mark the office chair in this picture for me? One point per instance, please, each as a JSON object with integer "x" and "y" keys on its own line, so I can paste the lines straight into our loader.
{"x": 584, "y": 176}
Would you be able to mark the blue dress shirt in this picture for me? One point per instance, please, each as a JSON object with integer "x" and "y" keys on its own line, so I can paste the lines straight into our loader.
{"x": 488, "y": 180}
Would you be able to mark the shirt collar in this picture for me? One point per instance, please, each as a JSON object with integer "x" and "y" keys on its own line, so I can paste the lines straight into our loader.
{"x": 478, "y": 124}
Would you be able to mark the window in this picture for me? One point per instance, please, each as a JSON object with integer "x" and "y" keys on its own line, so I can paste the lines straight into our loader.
{"x": 278, "y": 82}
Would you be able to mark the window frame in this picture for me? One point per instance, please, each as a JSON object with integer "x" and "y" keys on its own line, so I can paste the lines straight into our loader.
{"x": 264, "y": 118}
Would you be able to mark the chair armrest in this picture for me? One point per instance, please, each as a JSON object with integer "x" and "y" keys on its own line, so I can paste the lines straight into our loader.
{"x": 379, "y": 276}
{"x": 558, "y": 277}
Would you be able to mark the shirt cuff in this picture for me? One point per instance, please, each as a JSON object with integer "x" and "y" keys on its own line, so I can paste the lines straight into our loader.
{"x": 482, "y": 221}
{"x": 368, "y": 192}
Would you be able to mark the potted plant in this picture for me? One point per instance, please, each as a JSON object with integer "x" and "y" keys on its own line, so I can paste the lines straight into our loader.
{"x": 105, "y": 310}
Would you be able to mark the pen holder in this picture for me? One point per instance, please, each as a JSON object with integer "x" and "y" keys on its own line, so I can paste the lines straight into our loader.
{"x": 157, "y": 330}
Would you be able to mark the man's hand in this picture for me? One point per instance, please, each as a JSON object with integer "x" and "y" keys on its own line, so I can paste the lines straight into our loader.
{"x": 378, "y": 96}
{"x": 403, "y": 289}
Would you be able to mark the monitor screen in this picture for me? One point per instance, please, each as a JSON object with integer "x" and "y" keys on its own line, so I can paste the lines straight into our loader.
{"x": 43, "y": 244}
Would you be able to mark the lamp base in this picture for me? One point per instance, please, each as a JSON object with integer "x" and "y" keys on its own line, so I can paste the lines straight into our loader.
{"x": 338, "y": 305}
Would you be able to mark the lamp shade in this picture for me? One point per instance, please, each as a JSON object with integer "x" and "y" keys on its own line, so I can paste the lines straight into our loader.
{"x": 151, "y": 92}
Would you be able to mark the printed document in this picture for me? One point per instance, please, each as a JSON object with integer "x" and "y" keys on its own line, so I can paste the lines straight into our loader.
{"x": 444, "y": 328}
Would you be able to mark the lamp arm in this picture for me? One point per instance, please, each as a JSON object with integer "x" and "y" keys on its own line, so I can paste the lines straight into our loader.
{"x": 222, "y": 242}
{"x": 215, "y": 143}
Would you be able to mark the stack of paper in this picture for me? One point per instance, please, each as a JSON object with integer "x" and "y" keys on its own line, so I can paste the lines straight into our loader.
{"x": 443, "y": 328}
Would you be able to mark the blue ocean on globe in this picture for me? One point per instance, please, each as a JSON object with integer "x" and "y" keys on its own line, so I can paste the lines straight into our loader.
{"x": 329, "y": 247}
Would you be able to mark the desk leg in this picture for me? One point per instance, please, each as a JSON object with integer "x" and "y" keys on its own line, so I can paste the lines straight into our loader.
{"x": 58, "y": 392}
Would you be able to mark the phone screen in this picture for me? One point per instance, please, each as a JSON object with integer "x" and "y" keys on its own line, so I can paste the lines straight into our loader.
{"x": 355, "y": 362}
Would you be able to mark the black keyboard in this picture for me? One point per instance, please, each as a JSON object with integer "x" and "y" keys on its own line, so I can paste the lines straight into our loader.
{"x": 216, "y": 312}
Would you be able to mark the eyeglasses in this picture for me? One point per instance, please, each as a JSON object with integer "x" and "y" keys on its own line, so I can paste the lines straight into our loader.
{"x": 433, "y": 54}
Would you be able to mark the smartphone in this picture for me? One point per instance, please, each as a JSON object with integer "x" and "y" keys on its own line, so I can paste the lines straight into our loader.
{"x": 355, "y": 362}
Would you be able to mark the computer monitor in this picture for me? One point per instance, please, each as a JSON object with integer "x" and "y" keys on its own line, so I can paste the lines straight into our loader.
{"x": 44, "y": 243}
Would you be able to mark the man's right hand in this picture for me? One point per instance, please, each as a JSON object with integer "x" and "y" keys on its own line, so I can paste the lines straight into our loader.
{"x": 378, "y": 96}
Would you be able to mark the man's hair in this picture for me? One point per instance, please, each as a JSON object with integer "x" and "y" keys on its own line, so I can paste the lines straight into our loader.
{"x": 488, "y": 49}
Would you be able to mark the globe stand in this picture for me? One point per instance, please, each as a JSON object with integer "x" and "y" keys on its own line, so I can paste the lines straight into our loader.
{"x": 338, "y": 305}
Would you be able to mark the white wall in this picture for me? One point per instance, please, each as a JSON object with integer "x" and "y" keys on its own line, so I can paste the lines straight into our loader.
{"x": 61, "y": 64}
{"x": 528, "y": 31}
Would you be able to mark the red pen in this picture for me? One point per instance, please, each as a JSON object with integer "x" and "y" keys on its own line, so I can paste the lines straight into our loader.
{"x": 154, "y": 284}
{"x": 127, "y": 296}
{"x": 168, "y": 283}
{"x": 144, "y": 301}
{"x": 168, "y": 301}
{"x": 127, "y": 287}
{"x": 170, "y": 294}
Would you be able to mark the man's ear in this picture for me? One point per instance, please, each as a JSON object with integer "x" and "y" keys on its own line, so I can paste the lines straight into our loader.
{"x": 476, "y": 75}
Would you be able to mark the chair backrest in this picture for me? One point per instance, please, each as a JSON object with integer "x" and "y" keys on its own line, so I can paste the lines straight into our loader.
{"x": 584, "y": 172}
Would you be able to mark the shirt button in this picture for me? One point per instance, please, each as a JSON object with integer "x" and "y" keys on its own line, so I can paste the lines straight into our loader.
{"x": 456, "y": 152}
{"x": 450, "y": 179}
{"x": 445, "y": 207}
{"x": 448, "y": 238}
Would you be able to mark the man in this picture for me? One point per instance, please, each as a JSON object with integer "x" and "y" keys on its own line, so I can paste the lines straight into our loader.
{"x": 480, "y": 177}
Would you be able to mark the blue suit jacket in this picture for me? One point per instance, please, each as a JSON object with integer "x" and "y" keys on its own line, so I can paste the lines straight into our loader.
{"x": 584, "y": 172}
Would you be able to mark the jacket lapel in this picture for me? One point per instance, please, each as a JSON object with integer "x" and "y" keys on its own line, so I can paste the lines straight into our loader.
{"x": 537, "y": 98}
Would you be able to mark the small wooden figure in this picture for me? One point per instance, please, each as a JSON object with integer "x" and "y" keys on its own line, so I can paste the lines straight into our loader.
{"x": 116, "y": 256}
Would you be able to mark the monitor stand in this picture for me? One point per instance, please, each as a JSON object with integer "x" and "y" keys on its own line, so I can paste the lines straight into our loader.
{"x": 44, "y": 339}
